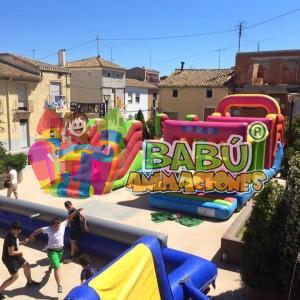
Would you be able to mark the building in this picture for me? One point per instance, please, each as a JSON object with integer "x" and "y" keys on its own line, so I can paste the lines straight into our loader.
{"x": 95, "y": 80}
{"x": 25, "y": 86}
{"x": 275, "y": 73}
{"x": 194, "y": 91}
{"x": 140, "y": 95}
{"x": 142, "y": 74}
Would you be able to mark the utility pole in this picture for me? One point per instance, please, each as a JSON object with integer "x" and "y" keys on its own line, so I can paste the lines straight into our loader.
{"x": 150, "y": 59}
{"x": 240, "y": 26}
{"x": 97, "y": 40}
{"x": 258, "y": 47}
{"x": 219, "y": 59}
{"x": 111, "y": 54}
{"x": 33, "y": 53}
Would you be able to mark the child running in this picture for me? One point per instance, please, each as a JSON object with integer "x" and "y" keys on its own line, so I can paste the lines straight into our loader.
{"x": 87, "y": 270}
{"x": 55, "y": 246}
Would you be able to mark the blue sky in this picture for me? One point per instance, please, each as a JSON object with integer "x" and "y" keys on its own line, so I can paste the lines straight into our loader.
{"x": 51, "y": 25}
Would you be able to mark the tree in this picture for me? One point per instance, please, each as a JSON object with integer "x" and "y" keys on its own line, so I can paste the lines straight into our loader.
{"x": 288, "y": 213}
{"x": 260, "y": 257}
{"x": 140, "y": 117}
{"x": 292, "y": 147}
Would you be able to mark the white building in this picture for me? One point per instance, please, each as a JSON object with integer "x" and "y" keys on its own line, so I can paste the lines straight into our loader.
{"x": 139, "y": 95}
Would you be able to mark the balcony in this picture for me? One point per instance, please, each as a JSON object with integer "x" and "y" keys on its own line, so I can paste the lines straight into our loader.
{"x": 23, "y": 110}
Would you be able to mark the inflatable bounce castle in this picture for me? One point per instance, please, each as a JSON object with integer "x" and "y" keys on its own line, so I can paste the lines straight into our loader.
{"x": 219, "y": 127}
{"x": 77, "y": 157}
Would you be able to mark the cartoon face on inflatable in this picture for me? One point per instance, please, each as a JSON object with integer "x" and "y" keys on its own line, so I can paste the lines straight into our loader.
{"x": 78, "y": 124}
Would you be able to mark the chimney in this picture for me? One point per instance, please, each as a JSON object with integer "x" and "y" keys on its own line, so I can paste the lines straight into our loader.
{"x": 62, "y": 57}
{"x": 182, "y": 66}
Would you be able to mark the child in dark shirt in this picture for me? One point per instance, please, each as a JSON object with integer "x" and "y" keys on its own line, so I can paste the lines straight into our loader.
{"x": 87, "y": 270}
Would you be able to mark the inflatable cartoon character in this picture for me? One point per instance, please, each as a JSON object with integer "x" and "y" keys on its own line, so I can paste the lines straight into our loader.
{"x": 79, "y": 130}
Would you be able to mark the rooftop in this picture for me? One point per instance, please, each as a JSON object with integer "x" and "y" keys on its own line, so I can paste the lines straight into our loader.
{"x": 12, "y": 72}
{"x": 198, "y": 78}
{"x": 294, "y": 51}
{"x": 93, "y": 62}
{"x": 41, "y": 65}
{"x": 139, "y": 83}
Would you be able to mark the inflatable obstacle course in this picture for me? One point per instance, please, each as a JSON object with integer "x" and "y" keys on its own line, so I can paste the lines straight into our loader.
{"x": 211, "y": 168}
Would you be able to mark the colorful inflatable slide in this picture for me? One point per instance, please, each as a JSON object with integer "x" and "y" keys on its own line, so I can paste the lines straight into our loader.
{"x": 219, "y": 127}
{"x": 80, "y": 169}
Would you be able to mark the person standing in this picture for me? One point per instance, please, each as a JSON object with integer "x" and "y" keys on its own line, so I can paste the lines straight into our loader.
{"x": 78, "y": 226}
{"x": 13, "y": 258}
{"x": 12, "y": 177}
{"x": 55, "y": 246}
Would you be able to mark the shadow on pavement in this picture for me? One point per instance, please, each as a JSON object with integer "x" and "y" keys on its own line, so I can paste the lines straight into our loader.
{"x": 140, "y": 202}
{"x": 33, "y": 292}
{"x": 239, "y": 294}
{"x": 217, "y": 261}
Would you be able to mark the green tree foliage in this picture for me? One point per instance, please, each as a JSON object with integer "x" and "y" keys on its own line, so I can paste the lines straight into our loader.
{"x": 151, "y": 128}
{"x": 259, "y": 257}
{"x": 293, "y": 145}
{"x": 288, "y": 214}
{"x": 140, "y": 117}
{"x": 16, "y": 161}
{"x": 272, "y": 236}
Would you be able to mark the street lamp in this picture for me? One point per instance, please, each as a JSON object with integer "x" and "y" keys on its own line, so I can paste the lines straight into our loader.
{"x": 106, "y": 99}
{"x": 291, "y": 100}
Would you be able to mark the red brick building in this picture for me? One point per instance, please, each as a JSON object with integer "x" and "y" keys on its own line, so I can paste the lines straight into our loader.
{"x": 275, "y": 73}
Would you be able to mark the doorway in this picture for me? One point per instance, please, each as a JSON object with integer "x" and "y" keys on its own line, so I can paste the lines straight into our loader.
{"x": 24, "y": 138}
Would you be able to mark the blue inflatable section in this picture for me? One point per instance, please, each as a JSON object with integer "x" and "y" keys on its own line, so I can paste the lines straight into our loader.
{"x": 179, "y": 275}
{"x": 188, "y": 205}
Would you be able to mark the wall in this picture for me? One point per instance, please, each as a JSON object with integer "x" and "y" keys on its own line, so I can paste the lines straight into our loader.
{"x": 278, "y": 67}
{"x": 150, "y": 101}
{"x": 189, "y": 101}
{"x": 86, "y": 85}
{"x": 115, "y": 80}
{"x": 136, "y": 73}
{"x": 37, "y": 93}
{"x": 132, "y": 109}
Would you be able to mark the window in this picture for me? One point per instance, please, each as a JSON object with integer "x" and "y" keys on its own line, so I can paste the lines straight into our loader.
{"x": 108, "y": 74}
{"x": 175, "y": 93}
{"x": 89, "y": 74}
{"x": 118, "y": 75}
{"x": 22, "y": 96}
{"x": 209, "y": 93}
{"x": 129, "y": 97}
{"x": 55, "y": 90}
{"x": 137, "y": 98}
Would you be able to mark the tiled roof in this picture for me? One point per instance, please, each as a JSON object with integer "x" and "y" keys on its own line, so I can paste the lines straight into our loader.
{"x": 93, "y": 62}
{"x": 139, "y": 83}
{"x": 8, "y": 71}
{"x": 41, "y": 65}
{"x": 198, "y": 78}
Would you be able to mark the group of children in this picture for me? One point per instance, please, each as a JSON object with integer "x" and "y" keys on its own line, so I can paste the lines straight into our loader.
{"x": 13, "y": 258}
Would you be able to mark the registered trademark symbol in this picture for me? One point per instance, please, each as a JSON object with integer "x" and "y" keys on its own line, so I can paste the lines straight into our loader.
{"x": 258, "y": 131}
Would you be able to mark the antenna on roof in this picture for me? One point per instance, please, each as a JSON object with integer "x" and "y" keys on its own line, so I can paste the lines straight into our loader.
{"x": 33, "y": 53}
{"x": 97, "y": 40}
{"x": 182, "y": 65}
